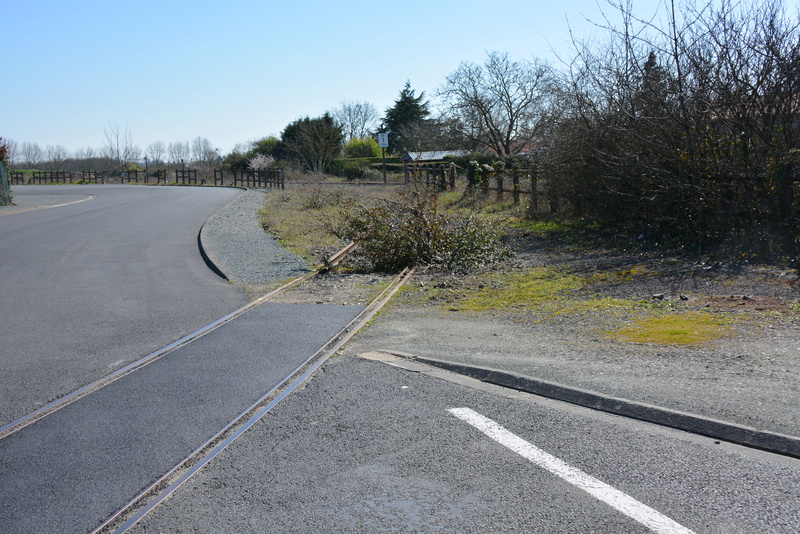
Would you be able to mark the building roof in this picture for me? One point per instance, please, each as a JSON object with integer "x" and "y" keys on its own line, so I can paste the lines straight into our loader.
{"x": 434, "y": 155}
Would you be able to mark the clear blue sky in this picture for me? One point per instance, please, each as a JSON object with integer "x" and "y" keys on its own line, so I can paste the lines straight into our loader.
{"x": 237, "y": 70}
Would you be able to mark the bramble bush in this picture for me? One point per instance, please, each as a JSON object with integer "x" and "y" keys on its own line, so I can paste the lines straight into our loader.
{"x": 395, "y": 234}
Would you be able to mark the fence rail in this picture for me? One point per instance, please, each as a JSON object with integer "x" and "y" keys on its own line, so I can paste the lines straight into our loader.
{"x": 51, "y": 177}
{"x": 264, "y": 178}
{"x": 267, "y": 178}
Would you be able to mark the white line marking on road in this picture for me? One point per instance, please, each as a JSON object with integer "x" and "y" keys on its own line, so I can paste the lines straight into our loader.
{"x": 652, "y": 519}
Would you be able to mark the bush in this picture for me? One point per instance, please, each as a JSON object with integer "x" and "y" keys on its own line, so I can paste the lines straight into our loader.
{"x": 365, "y": 147}
{"x": 411, "y": 231}
{"x": 354, "y": 170}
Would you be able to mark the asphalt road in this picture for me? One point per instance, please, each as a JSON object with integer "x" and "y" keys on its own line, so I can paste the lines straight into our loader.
{"x": 86, "y": 288}
{"x": 371, "y": 447}
{"x": 75, "y": 468}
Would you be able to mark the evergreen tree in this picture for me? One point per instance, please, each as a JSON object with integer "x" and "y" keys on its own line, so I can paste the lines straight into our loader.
{"x": 312, "y": 143}
{"x": 407, "y": 115}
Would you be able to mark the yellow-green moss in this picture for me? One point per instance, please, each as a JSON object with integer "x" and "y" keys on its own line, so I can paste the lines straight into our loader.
{"x": 525, "y": 290}
{"x": 687, "y": 328}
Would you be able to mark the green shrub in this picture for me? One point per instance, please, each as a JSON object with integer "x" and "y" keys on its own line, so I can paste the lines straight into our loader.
{"x": 411, "y": 231}
{"x": 365, "y": 147}
{"x": 355, "y": 170}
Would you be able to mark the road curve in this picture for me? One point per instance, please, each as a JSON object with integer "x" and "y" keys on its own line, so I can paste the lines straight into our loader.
{"x": 90, "y": 286}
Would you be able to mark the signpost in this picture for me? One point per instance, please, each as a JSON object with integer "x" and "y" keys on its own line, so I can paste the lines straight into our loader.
{"x": 383, "y": 143}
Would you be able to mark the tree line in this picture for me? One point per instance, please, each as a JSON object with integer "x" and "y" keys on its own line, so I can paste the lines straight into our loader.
{"x": 681, "y": 127}
{"x": 118, "y": 152}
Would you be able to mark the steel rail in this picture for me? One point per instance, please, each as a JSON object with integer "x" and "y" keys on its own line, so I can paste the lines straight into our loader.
{"x": 133, "y": 512}
{"x": 27, "y": 420}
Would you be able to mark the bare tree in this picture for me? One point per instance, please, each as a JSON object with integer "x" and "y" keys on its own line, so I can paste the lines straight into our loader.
{"x": 32, "y": 154}
{"x": 119, "y": 147}
{"x": 86, "y": 158}
{"x": 203, "y": 152}
{"x": 502, "y": 104}
{"x": 687, "y": 130}
{"x": 157, "y": 151}
{"x": 243, "y": 147}
{"x": 357, "y": 119}
{"x": 56, "y": 157}
{"x": 179, "y": 152}
{"x": 12, "y": 152}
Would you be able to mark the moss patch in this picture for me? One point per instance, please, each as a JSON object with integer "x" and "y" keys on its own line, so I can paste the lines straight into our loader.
{"x": 688, "y": 328}
{"x": 526, "y": 290}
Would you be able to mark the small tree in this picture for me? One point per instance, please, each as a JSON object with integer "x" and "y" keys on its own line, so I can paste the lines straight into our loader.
{"x": 32, "y": 154}
{"x": 179, "y": 152}
{"x": 86, "y": 158}
{"x": 56, "y": 156}
{"x": 119, "y": 147}
{"x": 312, "y": 143}
{"x": 357, "y": 119}
{"x": 157, "y": 151}
{"x": 260, "y": 161}
{"x": 203, "y": 152}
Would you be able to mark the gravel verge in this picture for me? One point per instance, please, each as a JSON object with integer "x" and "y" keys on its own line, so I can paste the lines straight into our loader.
{"x": 750, "y": 377}
{"x": 238, "y": 246}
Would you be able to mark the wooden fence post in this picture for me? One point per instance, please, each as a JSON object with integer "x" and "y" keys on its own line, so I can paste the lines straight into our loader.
{"x": 534, "y": 191}
{"x": 500, "y": 185}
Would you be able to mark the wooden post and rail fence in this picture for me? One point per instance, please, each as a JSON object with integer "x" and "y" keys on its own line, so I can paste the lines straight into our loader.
{"x": 261, "y": 178}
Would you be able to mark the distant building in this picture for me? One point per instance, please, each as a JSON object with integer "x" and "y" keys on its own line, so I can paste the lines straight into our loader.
{"x": 434, "y": 155}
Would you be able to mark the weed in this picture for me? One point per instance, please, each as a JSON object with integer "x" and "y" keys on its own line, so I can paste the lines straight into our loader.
{"x": 411, "y": 230}
{"x": 320, "y": 198}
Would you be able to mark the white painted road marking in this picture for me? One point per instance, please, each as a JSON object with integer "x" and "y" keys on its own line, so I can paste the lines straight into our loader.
{"x": 652, "y": 519}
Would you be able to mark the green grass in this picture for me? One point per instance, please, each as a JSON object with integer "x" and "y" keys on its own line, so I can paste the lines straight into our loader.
{"x": 307, "y": 219}
{"x": 302, "y": 220}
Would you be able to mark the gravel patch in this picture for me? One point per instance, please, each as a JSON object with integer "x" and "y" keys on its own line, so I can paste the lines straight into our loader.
{"x": 237, "y": 244}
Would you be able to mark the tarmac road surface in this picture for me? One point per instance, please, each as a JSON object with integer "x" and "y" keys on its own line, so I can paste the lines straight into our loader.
{"x": 90, "y": 286}
{"x": 375, "y": 446}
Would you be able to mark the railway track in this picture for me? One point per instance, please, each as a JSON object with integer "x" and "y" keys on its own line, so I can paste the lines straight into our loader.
{"x": 138, "y": 507}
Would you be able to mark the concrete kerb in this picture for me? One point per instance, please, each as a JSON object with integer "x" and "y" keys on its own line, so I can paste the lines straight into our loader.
{"x": 697, "y": 424}
{"x": 205, "y": 252}
{"x": 211, "y": 261}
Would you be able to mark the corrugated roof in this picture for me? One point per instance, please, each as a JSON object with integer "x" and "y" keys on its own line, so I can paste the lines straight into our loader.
{"x": 434, "y": 155}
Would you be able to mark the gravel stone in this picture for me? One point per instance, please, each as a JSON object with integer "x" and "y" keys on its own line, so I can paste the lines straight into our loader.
{"x": 237, "y": 244}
